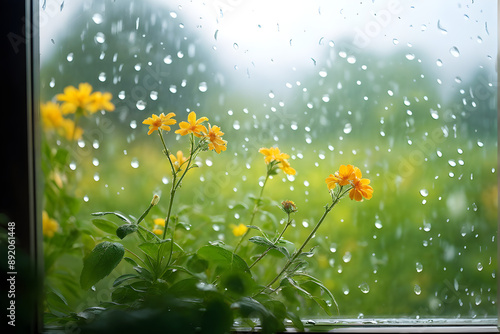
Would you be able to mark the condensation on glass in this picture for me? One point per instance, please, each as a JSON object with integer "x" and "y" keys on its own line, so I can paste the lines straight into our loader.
{"x": 407, "y": 92}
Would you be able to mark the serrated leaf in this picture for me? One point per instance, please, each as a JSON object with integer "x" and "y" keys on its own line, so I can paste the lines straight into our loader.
{"x": 100, "y": 262}
{"x": 125, "y": 230}
{"x": 105, "y": 225}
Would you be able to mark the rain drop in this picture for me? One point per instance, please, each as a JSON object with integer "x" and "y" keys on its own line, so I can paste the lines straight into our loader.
{"x": 454, "y": 52}
{"x": 100, "y": 38}
{"x": 424, "y": 192}
{"x": 203, "y": 87}
{"x": 347, "y": 257}
{"x": 419, "y": 267}
{"x": 134, "y": 163}
{"x": 347, "y": 128}
{"x": 364, "y": 287}
{"x": 417, "y": 289}
{"x": 97, "y": 18}
{"x": 141, "y": 105}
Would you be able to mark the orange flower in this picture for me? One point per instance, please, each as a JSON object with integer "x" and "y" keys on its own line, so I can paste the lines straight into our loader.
{"x": 50, "y": 225}
{"x": 342, "y": 177}
{"x": 360, "y": 189}
{"x": 215, "y": 141}
{"x": 193, "y": 125}
{"x": 159, "y": 122}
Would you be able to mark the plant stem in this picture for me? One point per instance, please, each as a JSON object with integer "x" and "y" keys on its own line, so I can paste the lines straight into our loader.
{"x": 254, "y": 211}
{"x": 289, "y": 221}
{"x": 339, "y": 195}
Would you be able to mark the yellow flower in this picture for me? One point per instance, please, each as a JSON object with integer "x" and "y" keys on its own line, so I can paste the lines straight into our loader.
{"x": 273, "y": 154}
{"x": 102, "y": 101}
{"x": 74, "y": 99}
{"x": 215, "y": 141}
{"x": 178, "y": 161}
{"x": 51, "y": 115}
{"x": 285, "y": 167}
{"x": 50, "y": 225}
{"x": 159, "y": 122}
{"x": 360, "y": 187}
{"x": 69, "y": 129}
{"x": 239, "y": 230}
{"x": 158, "y": 222}
{"x": 193, "y": 125}
{"x": 342, "y": 177}
{"x": 83, "y": 100}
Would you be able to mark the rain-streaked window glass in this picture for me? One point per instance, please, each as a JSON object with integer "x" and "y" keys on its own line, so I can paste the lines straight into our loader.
{"x": 209, "y": 161}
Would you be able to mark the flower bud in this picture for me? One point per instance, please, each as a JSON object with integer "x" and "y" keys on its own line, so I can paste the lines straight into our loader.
{"x": 155, "y": 200}
{"x": 288, "y": 207}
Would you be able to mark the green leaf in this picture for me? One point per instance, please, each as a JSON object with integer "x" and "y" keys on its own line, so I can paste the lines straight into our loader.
{"x": 130, "y": 261}
{"x": 146, "y": 274}
{"x": 196, "y": 265}
{"x": 322, "y": 303}
{"x": 223, "y": 258}
{"x": 100, "y": 262}
{"x": 116, "y": 213}
{"x": 125, "y": 230}
{"x": 105, "y": 225}
{"x": 295, "y": 320}
{"x": 124, "y": 278}
{"x": 261, "y": 241}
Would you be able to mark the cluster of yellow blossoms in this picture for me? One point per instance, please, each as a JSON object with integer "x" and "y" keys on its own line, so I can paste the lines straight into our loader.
{"x": 50, "y": 225}
{"x": 350, "y": 175}
{"x": 274, "y": 156}
{"x": 195, "y": 126}
{"x": 77, "y": 101}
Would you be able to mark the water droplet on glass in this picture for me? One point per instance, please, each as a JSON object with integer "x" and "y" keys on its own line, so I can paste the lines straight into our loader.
{"x": 424, "y": 192}
{"x": 454, "y": 51}
{"x": 351, "y": 59}
{"x": 133, "y": 124}
{"x": 95, "y": 144}
{"x": 480, "y": 144}
{"x": 167, "y": 60}
{"x": 395, "y": 41}
{"x": 153, "y": 95}
{"x": 439, "y": 62}
{"x": 419, "y": 267}
{"x": 378, "y": 224}
{"x": 69, "y": 57}
{"x": 323, "y": 74}
{"x": 203, "y": 87}
{"x": 95, "y": 162}
{"x": 236, "y": 125}
{"x": 452, "y": 163}
{"x": 434, "y": 114}
{"x": 417, "y": 289}
{"x": 173, "y": 89}
{"x": 141, "y": 105}
{"x": 236, "y": 46}
{"x": 410, "y": 56}
{"x": 347, "y": 257}
{"x": 102, "y": 77}
{"x": 347, "y": 128}
{"x": 72, "y": 165}
{"x": 97, "y": 18}
{"x": 479, "y": 266}
{"x": 134, "y": 163}
{"x": 100, "y": 38}
{"x": 364, "y": 287}
{"x": 96, "y": 177}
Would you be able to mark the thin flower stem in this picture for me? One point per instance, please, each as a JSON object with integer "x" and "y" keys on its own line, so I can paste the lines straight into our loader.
{"x": 289, "y": 221}
{"x": 254, "y": 212}
{"x": 338, "y": 196}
